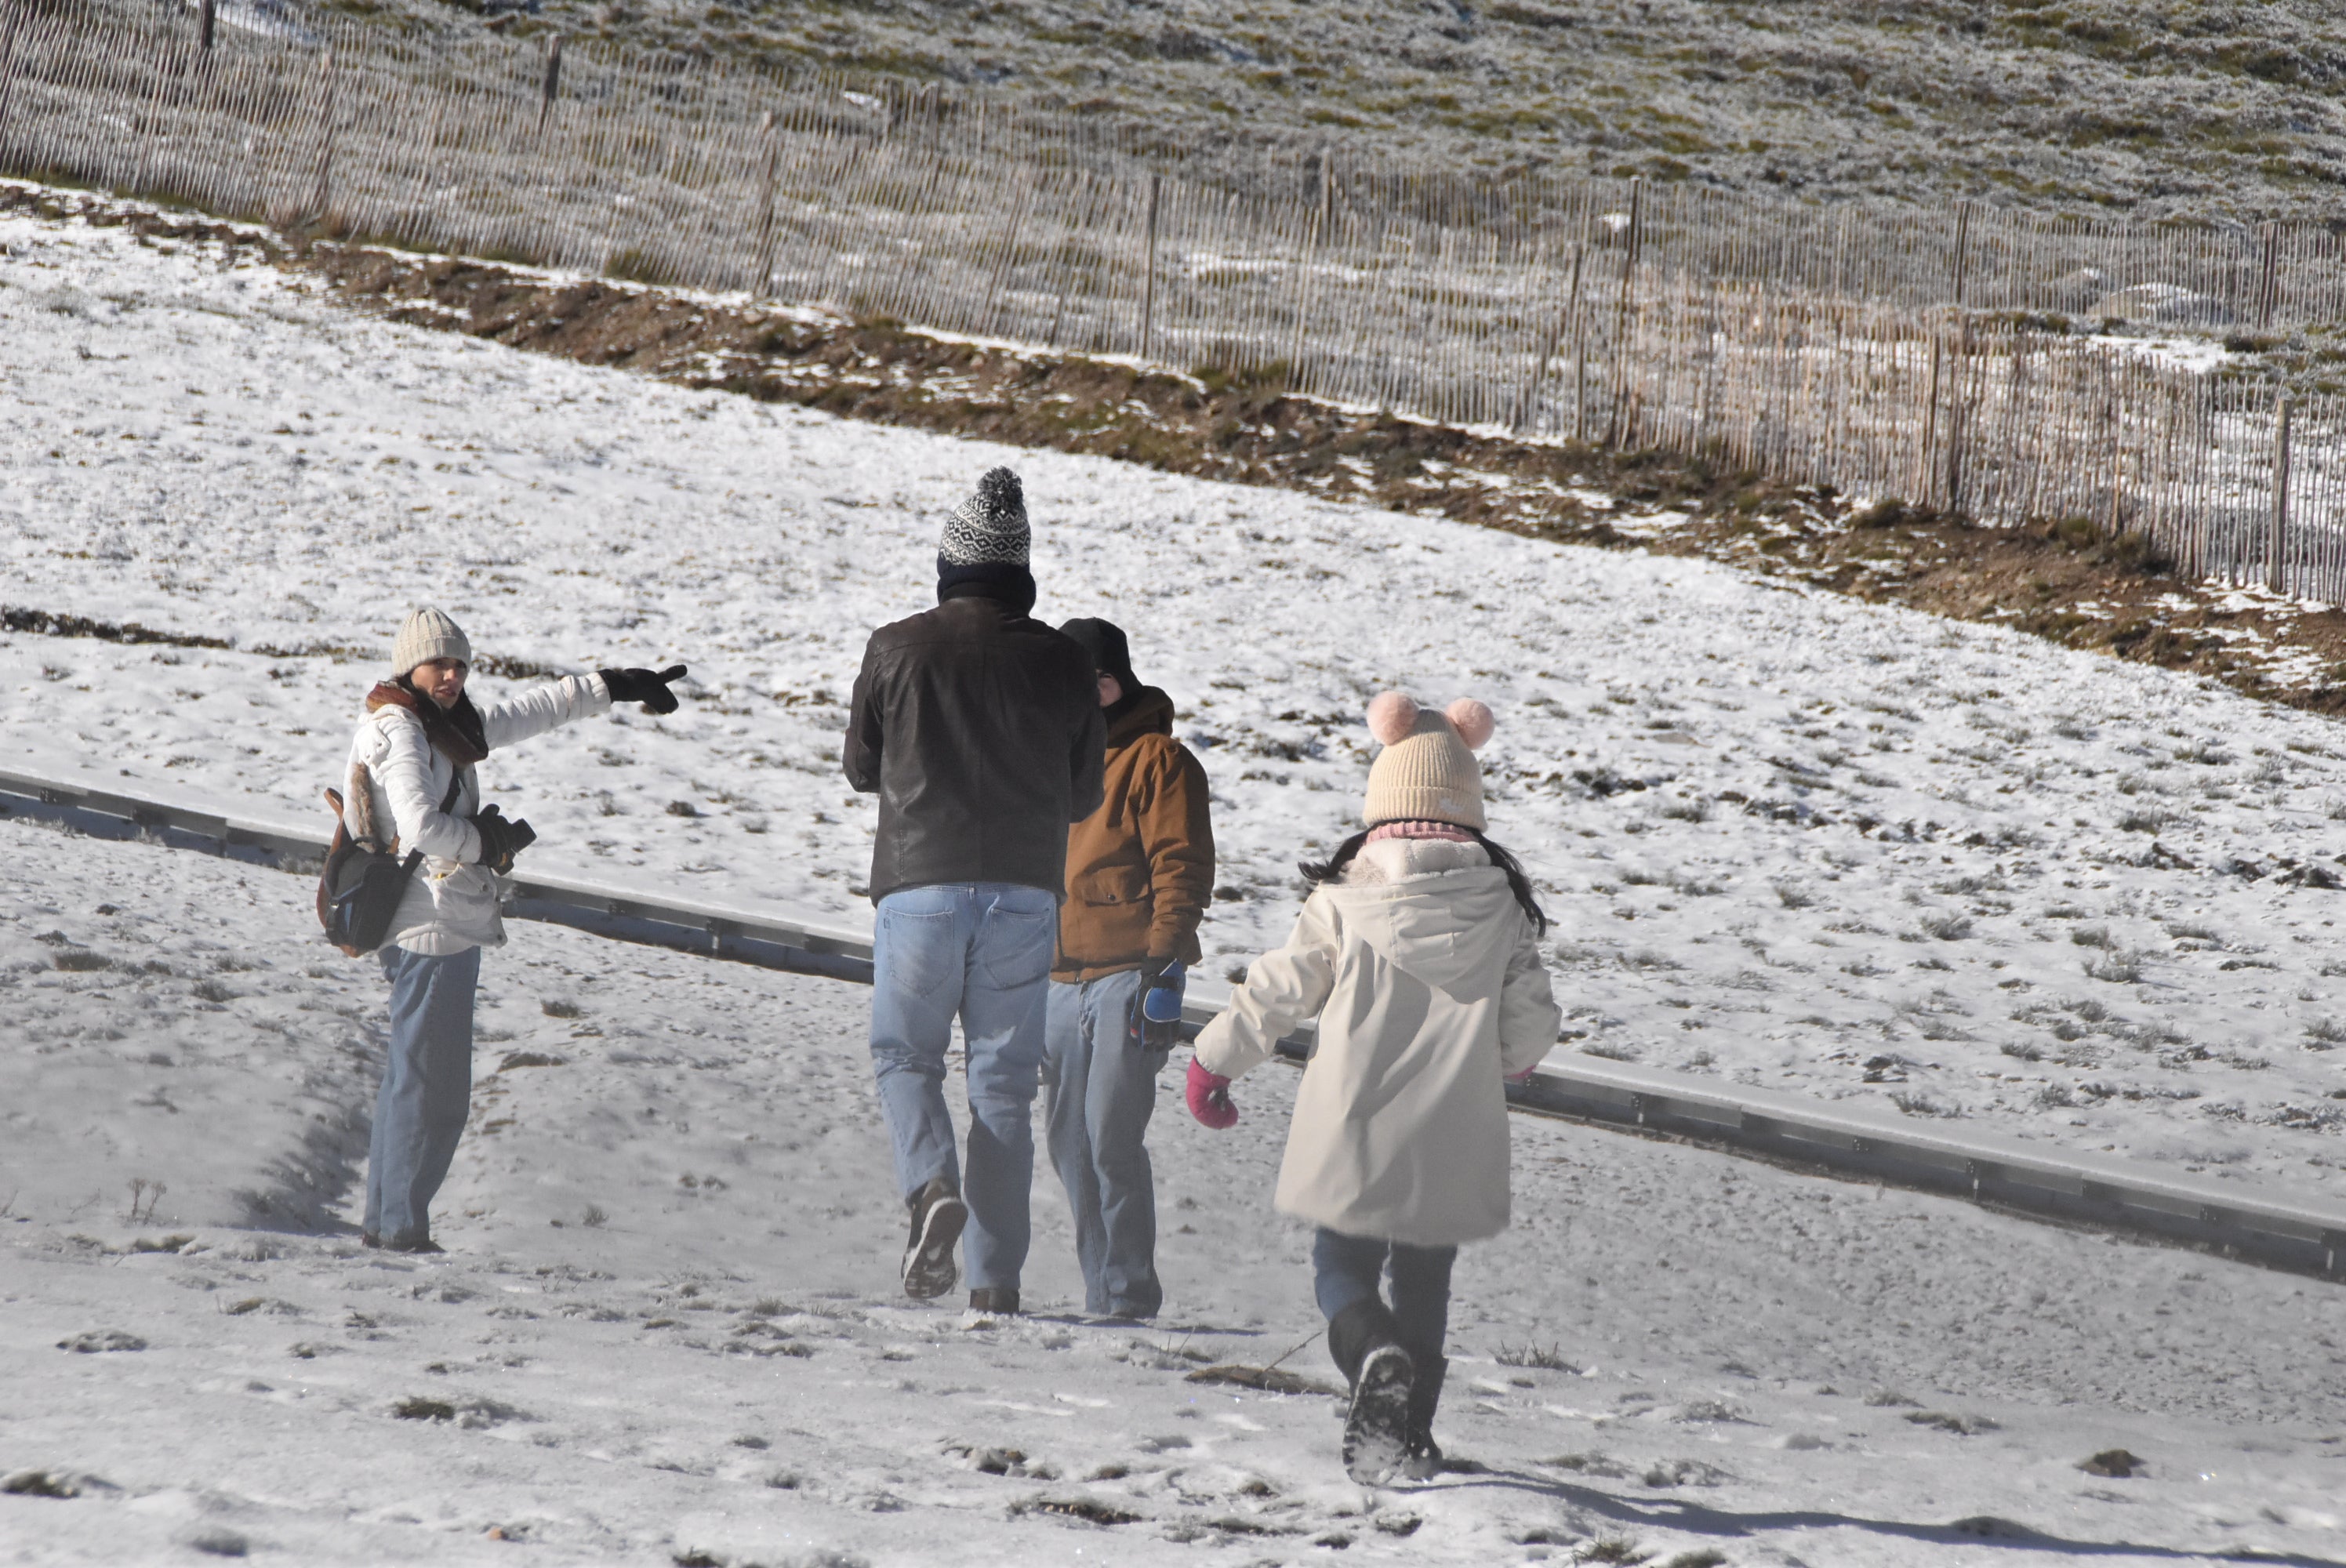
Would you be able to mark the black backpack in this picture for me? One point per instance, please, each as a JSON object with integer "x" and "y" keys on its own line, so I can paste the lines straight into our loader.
{"x": 360, "y": 888}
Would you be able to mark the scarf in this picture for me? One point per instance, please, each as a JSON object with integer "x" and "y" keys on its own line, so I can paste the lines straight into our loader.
{"x": 1419, "y": 831}
{"x": 455, "y": 733}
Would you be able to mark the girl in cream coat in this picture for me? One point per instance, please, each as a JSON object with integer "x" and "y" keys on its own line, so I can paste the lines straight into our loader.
{"x": 1418, "y": 953}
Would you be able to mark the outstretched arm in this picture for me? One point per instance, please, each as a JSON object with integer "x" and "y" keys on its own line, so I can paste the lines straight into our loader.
{"x": 544, "y": 707}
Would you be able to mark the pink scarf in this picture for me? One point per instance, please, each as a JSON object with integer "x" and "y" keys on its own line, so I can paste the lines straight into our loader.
{"x": 1419, "y": 831}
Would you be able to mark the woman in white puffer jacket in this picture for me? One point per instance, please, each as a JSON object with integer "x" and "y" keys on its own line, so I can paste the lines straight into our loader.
{"x": 1418, "y": 951}
{"x": 411, "y": 783}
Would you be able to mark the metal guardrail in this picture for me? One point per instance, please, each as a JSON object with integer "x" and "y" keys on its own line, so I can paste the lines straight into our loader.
{"x": 2273, "y": 1228}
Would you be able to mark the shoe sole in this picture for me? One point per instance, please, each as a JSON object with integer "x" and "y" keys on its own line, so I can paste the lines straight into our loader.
{"x": 1376, "y": 1432}
{"x": 929, "y": 1267}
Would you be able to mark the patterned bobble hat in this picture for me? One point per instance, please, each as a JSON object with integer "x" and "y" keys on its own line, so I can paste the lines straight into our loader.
{"x": 1427, "y": 771}
{"x": 428, "y": 634}
{"x": 990, "y": 527}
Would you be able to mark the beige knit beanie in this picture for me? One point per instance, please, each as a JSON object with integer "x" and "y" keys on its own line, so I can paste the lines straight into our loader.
{"x": 428, "y": 634}
{"x": 1427, "y": 771}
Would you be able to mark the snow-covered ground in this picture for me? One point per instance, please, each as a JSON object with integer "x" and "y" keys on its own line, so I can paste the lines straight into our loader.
{"x": 1790, "y": 839}
{"x": 666, "y": 1327}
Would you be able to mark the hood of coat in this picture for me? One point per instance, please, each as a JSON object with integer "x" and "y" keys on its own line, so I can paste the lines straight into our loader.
{"x": 1147, "y": 711}
{"x": 1434, "y": 909}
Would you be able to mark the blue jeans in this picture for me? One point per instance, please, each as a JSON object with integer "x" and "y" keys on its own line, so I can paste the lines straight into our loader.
{"x": 981, "y": 950}
{"x": 1100, "y": 1086}
{"x": 427, "y": 1089}
{"x": 1347, "y": 1269}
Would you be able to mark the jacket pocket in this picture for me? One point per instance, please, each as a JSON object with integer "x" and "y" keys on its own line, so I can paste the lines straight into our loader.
{"x": 1111, "y": 885}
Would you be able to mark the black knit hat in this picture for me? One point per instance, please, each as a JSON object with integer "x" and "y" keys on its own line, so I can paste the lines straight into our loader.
{"x": 989, "y": 529}
{"x": 1111, "y": 654}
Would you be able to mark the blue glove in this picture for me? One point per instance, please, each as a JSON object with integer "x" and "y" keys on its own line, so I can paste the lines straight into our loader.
{"x": 1160, "y": 1006}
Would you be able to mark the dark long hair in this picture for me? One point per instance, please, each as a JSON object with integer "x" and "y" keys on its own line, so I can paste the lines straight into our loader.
{"x": 1318, "y": 872}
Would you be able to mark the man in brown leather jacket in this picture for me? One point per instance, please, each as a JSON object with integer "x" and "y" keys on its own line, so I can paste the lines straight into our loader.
{"x": 1140, "y": 871}
{"x": 980, "y": 730}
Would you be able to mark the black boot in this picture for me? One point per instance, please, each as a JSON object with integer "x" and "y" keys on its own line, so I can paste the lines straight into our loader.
{"x": 938, "y": 1215}
{"x": 1363, "y": 1339}
{"x": 1424, "y": 1461}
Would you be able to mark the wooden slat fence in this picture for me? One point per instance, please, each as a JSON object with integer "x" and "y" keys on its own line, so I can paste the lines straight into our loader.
{"x": 1893, "y": 353}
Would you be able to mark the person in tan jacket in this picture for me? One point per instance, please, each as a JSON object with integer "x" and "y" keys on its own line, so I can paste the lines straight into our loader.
{"x": 1140, "y": 871}
{"x": 1418, "y": 951}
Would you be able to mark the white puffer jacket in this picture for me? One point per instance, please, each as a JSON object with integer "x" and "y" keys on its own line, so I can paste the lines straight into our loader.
{"x": 451, "y": 902}
{"x": 1428, "y": 983}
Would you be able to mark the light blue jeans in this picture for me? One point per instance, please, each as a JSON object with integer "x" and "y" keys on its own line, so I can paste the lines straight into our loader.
{"x": 981, "y": 950}
{"x": 427, "y": 1089}
{"x": 1100, "y": 1086}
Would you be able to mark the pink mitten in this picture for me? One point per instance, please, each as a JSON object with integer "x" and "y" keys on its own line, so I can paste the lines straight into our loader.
{"x": 1525, "y": 1076}
{"x": 1209, "y": 1098}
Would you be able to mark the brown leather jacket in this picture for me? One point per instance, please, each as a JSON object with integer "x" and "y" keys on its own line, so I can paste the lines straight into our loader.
{"x": 1140, "y": 869}
{"x": 980, "y": 731}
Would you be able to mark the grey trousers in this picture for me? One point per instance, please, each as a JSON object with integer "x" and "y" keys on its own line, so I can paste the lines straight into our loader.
{"x": 427, "y": 1089}
{"x": 1100, "y": 1086}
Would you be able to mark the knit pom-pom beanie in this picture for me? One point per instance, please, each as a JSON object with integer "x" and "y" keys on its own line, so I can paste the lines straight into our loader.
{"x": 1427, "y": 771}
{"x": 990, "y": 527}
{"x": 428, "y": 634}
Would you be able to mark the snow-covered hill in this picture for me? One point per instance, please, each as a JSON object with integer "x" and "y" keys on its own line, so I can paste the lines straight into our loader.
{"x": 1792, "y": 840}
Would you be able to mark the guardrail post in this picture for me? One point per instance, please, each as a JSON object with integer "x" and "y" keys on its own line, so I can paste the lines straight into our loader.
{"x": 2277, "y": 552}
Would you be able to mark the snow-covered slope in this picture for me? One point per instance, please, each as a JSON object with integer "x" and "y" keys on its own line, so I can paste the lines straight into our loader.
{"x": 1793, "y": 839}
{"x": 666, "y": 1330}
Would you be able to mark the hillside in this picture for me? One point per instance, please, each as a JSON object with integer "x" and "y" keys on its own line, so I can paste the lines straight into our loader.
{"x": 2172, "y": 109}
{"x": 1791, "y": 839}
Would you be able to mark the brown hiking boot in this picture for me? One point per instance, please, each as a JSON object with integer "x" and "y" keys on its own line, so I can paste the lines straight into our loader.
{"x": 996, "y": 1300}
{"x": 938, "y": 1215}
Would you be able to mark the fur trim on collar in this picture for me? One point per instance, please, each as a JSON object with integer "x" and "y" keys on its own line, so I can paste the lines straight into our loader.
{"x": 457, "y": 733}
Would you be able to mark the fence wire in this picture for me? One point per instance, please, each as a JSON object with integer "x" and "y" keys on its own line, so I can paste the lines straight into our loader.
{"x": 1902, "y": 353}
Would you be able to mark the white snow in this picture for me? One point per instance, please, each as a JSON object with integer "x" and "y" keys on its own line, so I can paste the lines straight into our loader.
{"x": 666, "y": 1326}
{"x": 1793, "y": 839}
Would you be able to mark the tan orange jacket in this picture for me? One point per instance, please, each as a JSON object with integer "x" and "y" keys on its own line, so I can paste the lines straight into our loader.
{"x": 1140, "y": 869}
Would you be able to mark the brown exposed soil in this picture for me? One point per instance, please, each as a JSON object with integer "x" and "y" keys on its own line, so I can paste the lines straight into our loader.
{"x": 2064, "y": 579}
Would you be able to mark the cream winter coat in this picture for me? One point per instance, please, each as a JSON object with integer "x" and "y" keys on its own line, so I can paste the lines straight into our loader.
{"x": 1430, "y": 988}
{"x": 452, "y": 901}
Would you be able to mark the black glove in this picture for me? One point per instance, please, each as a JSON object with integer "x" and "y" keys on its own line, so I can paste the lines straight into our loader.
{"x": 649, "y": 687}
{"x": 501, "y": 837}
